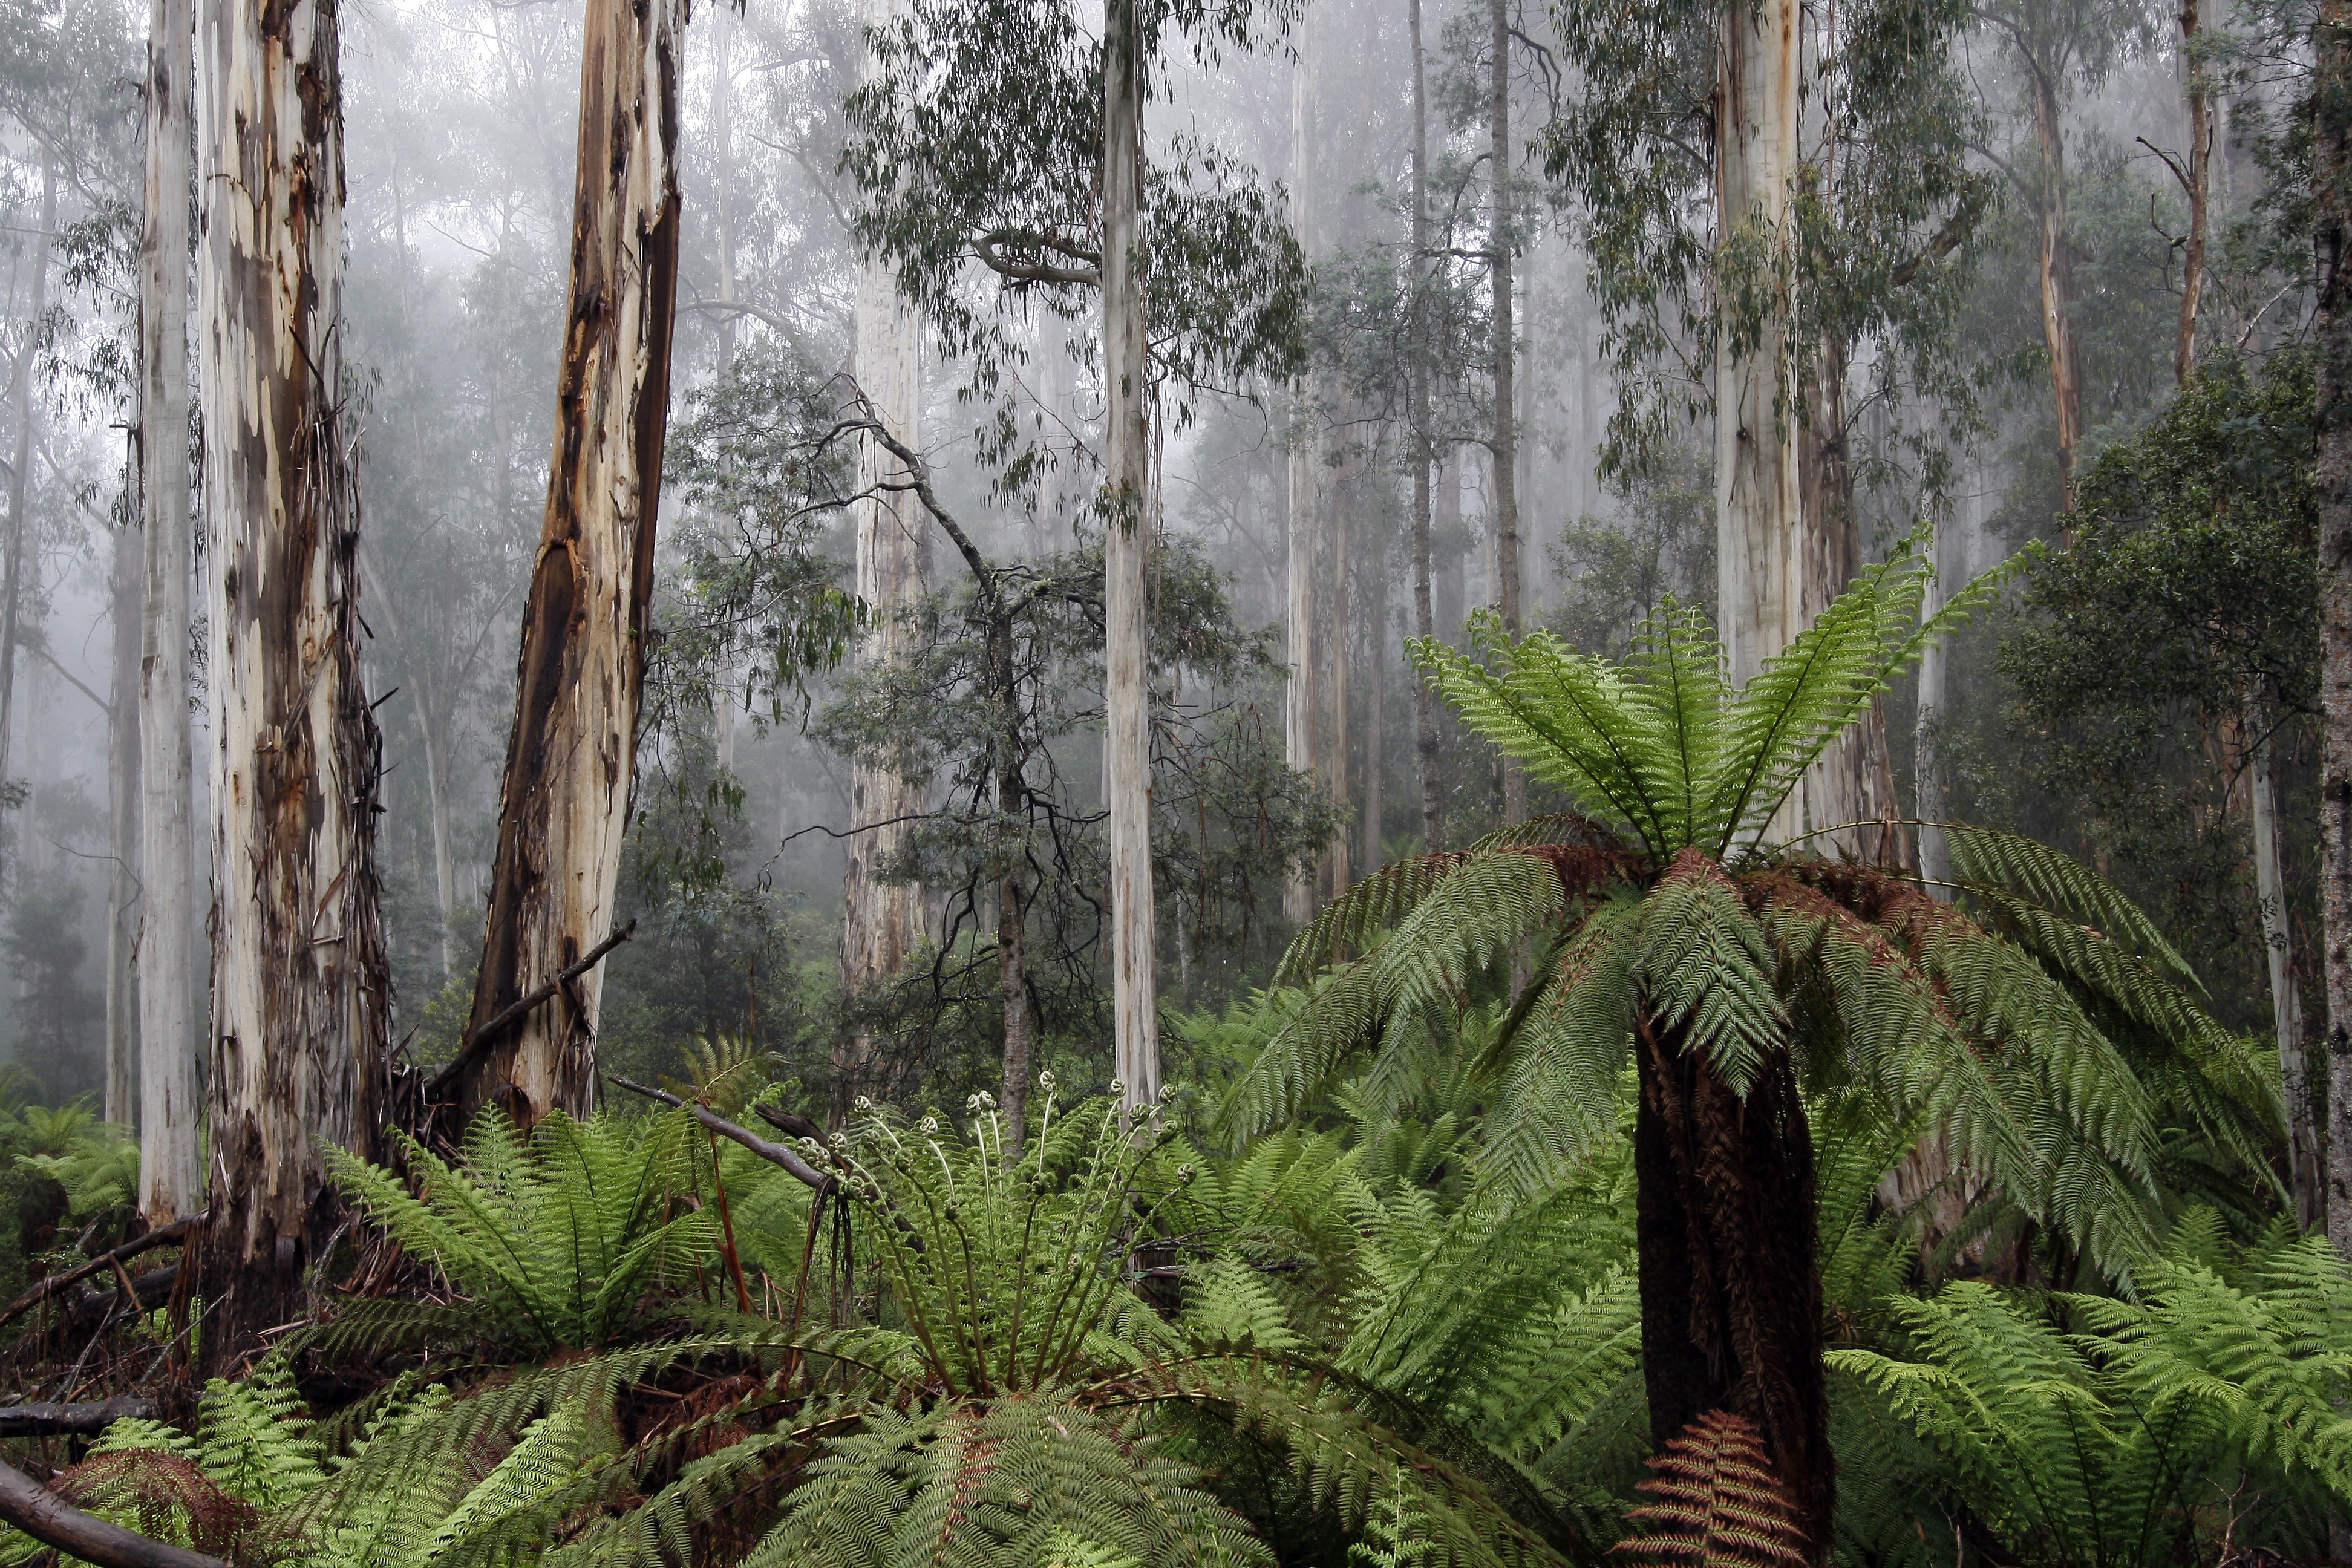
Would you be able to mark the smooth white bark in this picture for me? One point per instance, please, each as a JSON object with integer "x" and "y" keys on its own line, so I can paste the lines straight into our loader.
{"x": 1130, "y": 522}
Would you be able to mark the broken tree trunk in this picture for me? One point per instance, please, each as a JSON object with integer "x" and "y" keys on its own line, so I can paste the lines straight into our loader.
{"x": 299, "y": 978}
{"x": 571, "y": 757}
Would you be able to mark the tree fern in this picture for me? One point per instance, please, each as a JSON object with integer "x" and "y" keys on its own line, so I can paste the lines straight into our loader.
{"x": 555, "y": 1239}
{"x": 1718, "y": 1503}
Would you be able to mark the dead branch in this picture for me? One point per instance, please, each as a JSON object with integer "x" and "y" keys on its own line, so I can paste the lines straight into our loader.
{"x": 40, "y": 1514}
{"x": 481, "y": 1039}
{"x": 163, "y": 1235}
{"x": 83, "y": 1420}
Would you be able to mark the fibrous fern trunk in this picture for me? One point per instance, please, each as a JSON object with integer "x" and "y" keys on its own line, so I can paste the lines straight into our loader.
{"x": 571, "y": 757}
{"x": 1731, "y": 1294}
{"x": 299, "y": 978}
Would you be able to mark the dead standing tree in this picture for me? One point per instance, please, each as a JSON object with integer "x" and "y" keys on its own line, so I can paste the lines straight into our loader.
{"x": 298, "y": 970}
{"x": 571, "y": 757}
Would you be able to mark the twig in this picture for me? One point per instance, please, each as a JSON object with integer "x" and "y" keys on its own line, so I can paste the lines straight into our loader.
{"x": 480, "y": 1040}
{"x": 160, "y": 1236}
{"x": 775, "y": 1153}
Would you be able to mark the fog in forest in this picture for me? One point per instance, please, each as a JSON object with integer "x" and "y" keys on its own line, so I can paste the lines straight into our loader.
{"x": 1283, "y": 498}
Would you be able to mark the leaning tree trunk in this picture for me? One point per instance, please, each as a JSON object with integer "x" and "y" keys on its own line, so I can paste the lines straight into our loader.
{"x": 1731, "y": 1292}
{"x": 170, "y": 1177}
{"x": 1425, "y": 619}
{"x": 122, "y": 832}
{"x": 563, "y": 810}
{"x": 299, "y": 980}
{"x": 2332, "y": 183}
{"x": 881, "y": 917}
{"x": 1127, "y": 551}
{"x": 1506, "y": 436}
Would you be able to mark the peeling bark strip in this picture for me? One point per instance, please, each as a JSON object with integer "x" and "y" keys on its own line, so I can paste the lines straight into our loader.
{"x": 571, "y": 757}
{"x": 298, "y": 971}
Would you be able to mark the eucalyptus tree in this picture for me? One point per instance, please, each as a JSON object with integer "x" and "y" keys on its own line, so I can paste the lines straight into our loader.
{"x": 300, "y": 987}
{"x": 2044, "y": 1032}
{"x": 170, "y": 1176}
{"x": 1747, "y": 259}
{"x": 571, "y": 755}
{"x": 999, "y": 144}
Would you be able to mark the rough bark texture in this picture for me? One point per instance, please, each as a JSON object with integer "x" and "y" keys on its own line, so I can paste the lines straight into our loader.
{"x": 1731, "y": 1295}
{"x": 1127, "y": 551}
{"x": 881, "y": 918}
{"x": 300, "y": 1000}
{"x": 2197, "y": 167}
{"x": 171, "y": 1179}
{"x": 122, "y": 836}
{"x": 1506, "y": 437}
{"x": 571, "y": 758}
{"x": 1425, "y": 619}
{"x": 2332, "y": 183}
{"x": 1758, "y": 471}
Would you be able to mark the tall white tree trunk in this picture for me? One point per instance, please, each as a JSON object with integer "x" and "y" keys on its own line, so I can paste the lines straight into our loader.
{"x": 23, "y": 410}
{"x": 2305, "y": 1178}
{"x": 122, "y": 832}
{"x": 881, "y": 918}
{"x": 1130, "y": 520}
{"x": 1500, "y": 241}
{"x": 1302, "y": 697}
{"x": 571, "y": 767}
{"x": 170, "y": 1178}
{"x": 299, "y": 972}
{"x": 1423, "y": 454}
{"x": 1759, "y": 508}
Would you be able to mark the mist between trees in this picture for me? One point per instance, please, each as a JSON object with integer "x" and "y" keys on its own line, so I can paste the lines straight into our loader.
{"x": 888, "y": 548}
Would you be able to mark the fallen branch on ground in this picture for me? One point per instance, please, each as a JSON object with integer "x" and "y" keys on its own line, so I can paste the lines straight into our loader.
{"x": 84, "y": 1420}
{"x": 41, "y": 1514}
{"x": 163, "y": 1235}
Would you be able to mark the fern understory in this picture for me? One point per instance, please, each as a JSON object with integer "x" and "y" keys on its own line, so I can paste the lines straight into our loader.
{"x": 1378, "y": 1295}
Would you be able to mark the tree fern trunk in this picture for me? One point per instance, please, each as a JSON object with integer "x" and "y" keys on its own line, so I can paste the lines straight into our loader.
{"x": 1731, "y": 1292}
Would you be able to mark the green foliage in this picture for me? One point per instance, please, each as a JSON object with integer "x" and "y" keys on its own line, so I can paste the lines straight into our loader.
{"x": 2194, "y": 547}
{"x": 556, "y": 1240}
{"x": 2208, "y": 1408}
{"x": 2041, "y": 1032}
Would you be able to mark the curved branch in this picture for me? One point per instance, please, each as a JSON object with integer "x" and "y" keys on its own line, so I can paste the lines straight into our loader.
{"x": 41, "y": 1514}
